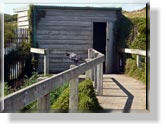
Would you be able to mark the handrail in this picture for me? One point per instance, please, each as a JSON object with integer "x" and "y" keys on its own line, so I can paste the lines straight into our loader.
{"x": 137, "y": 52}
{"x": 25, "y": 96}
{"x": 133, "y": 51}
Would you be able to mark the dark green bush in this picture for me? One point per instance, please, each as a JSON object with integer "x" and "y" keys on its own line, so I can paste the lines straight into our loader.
{"x": 87, "y": 99}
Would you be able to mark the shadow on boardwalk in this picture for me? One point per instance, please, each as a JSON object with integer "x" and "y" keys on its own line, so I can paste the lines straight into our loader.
{"x": 122, "y": 94}
{"x": 129, "y": 101}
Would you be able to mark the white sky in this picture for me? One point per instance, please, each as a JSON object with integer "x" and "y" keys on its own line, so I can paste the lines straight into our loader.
{"x": 128, "y": 5}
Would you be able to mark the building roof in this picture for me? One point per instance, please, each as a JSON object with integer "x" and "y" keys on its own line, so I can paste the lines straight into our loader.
{"x": 78, "y": 8}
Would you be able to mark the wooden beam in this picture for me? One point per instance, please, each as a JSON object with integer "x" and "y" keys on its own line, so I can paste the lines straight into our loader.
{"x": 100, "y": 79}
{"x": 133, "y": 51}
{"x": 73, "y": 94}
{"x": 38, "y": 51}
{"x": 138, "y": 61}
{"x": 44, "y": 103}
{"x": 46, "y": 64}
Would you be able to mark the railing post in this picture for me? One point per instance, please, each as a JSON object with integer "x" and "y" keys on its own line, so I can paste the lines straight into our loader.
{"x": 100, "y": 79}
{"x": 46, "y": 62}
{"x": 44, "y": 103}
{"x": 95, "y": 72}
{"x": 73, "y": 94}
{"x": 138, "y": 61}
{"x": 89, "y": 73}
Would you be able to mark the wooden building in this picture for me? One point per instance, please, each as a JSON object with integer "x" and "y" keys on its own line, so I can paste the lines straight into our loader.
{"x": 74, "y": 29}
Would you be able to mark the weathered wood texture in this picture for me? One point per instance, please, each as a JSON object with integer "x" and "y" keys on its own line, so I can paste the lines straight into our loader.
{"x": 22, "y": 17}
{"x": 73, "y": 94}
{"x": 38, "y": 50}
{"x": 133, "y": 51}
{"x": 16, "y": 101}
{"x": 44, "y": 103}
{"x": 68, "y": 30}
{"x": 138, "y": 61}
{"x": 137, "y": 52}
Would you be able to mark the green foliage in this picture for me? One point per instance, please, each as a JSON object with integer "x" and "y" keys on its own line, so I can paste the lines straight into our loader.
{"x": 123, "y": 26}
{"x": 9, "y": 27}
{"x": 53, "y": 95}
{"x": 10, "y": 18}
{"x": 132, "y": 34}
{"x": 30, "y": 17}
{"x": 87, "y": 99}
{"x": 9, "y": 32}
{"x": 7, "y": 89}
{"x": 31, "y": 80}
{"x": 139, "y": 33}
{"x": 132, "y": 70}
{"x": 24, "y": 49}
{"x": 56, "y": 93}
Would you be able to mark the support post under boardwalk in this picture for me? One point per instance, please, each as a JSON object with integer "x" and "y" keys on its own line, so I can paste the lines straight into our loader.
{"x": 73, "y": 94}
{"x": 46, "y": 63}
{"x": 138, "y": 61}
{"x": 100, "y": 79}
{"x": 44, "y": 103}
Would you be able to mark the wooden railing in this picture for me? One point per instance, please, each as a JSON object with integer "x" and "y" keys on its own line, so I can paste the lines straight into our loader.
{"x": 137, "y": 52}
{"x": 93, "y": 67}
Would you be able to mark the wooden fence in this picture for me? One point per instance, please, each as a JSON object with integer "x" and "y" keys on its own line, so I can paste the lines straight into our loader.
{"x": 14, "y": 66}
{"x": 137, "y": 52}
{"x": 93, "y": 67}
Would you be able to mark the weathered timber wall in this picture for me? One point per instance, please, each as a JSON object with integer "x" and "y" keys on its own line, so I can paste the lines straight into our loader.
{"x": 67, "y": 30}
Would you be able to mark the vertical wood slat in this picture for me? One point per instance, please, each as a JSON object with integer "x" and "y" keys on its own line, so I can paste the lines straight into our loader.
{"x": 46, "y": 62}
{"x": 44, "y": 103}
{"x": 89, "y": 73}
{"x": 138, "y": 61}
{"x": 73, "y": 94}
{"x": 100, "y": 79}
{"x": 95, "y": 72}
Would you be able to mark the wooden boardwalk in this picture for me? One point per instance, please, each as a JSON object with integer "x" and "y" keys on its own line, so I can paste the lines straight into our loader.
{"x": 123, "y": 94}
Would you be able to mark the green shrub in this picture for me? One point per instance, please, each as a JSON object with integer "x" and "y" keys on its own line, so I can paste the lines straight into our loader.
{"x": 53, "y": 95}
{"x": 132, "y": 70}
{"x": 56, "y": 93}
{"x": 134, "y": 38}
{"x": 87, "y": 99}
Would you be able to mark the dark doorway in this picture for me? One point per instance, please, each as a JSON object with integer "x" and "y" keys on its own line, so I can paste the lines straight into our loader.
{"x": 99, "y": 38}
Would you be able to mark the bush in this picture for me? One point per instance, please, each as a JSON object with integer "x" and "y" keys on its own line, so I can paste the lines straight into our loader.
{"x": 132, "y": 70}
{"x": 56, "y": 93}
{"x": 134, "y": 38}
{"x": 87, "y": 99}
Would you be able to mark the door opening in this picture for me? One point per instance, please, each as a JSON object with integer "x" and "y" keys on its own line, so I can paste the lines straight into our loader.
{"x": 99, "y": 38}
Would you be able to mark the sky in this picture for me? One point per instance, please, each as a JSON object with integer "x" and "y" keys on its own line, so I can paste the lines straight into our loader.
{"x": 127, "y": 5}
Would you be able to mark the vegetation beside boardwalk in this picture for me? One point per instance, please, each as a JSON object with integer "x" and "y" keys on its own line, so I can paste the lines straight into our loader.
{"x": 87, "y": 99}
{"x": 132, "y": 34}
{"x": 59, "y": 99}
